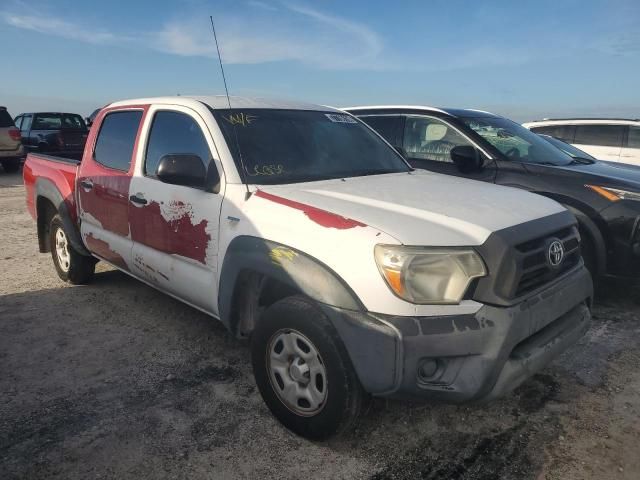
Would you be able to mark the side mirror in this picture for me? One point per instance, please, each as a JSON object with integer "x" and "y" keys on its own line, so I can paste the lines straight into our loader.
{"x": 182, "y": 169}
{"x": 467, "y": 158}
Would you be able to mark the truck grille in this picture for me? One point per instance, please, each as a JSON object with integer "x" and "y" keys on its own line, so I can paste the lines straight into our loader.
{"x": 534, "y": 268}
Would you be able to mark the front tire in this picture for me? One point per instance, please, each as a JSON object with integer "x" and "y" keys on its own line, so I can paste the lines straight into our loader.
{"x": 70, "y": 265}
{"x": 303, "y": 371}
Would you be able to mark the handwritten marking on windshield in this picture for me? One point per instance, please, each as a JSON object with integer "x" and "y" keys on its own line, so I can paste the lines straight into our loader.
{"x": 240, "y": 119}
{"x": 267, "y": 170}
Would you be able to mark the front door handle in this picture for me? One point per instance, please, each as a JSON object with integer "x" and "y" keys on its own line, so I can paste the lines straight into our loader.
{"x": 87, "y": 184}
{"x": 138, "y": 200}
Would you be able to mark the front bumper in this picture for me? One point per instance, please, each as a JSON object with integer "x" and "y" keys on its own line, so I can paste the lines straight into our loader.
{"x": 471, "y": 357}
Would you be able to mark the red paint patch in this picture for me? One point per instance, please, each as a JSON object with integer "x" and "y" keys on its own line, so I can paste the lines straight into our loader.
{"x": 102, "y": 249}
{"x": 108, "y": 201}
{"x": 175, "y": 237}
{"x": 317, "y": 215}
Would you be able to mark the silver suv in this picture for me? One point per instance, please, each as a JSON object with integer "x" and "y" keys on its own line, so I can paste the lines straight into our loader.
{"x": 11, "y": 149}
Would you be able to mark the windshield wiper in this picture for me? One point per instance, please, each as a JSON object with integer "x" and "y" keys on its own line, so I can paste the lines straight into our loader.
{"x": 581, "y": 161}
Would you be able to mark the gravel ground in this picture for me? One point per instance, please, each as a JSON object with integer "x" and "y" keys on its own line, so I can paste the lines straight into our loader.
{"x": 116, "y": 380}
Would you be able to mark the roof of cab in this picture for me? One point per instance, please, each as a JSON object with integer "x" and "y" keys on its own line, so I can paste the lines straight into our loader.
{"x": 221, "y": 102}
{"x": 454, "y": 112}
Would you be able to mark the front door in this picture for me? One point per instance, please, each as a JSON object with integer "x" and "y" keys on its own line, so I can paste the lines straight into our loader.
{"x": 427, "y": 144}
{"x": 103, "y": 187}
{"x": 174, "y": 228}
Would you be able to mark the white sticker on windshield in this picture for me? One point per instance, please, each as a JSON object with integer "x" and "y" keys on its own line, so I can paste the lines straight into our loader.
{"x": 340, "y": 118}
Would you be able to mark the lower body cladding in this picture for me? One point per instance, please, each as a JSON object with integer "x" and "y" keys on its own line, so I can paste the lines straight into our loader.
{"x": 623, "y": 230}
{"x": 462, "y": 358}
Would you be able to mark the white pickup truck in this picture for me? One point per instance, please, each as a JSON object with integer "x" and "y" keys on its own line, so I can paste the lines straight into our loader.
{"x": 298, "y": 226}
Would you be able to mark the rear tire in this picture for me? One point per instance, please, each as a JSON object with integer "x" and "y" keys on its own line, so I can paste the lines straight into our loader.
{"x": 11, "y": 165}
{"x": 70, "y": 265}
{"x": 303, "y": 371}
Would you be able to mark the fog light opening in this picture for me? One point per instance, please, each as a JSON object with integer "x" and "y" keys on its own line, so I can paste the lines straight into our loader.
{"x": 430, "y": 370}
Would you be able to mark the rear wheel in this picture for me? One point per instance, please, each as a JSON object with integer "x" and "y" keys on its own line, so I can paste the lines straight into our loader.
{"x": 303, "y": 371}
{"x": 70, "y": 265}
{"x": 11, "y": 165}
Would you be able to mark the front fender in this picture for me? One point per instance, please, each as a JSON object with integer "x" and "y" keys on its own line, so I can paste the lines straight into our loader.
{"x": 287, "y": 265}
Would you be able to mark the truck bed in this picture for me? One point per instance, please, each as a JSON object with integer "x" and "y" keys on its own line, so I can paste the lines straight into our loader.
{"x": 48, "y": 171}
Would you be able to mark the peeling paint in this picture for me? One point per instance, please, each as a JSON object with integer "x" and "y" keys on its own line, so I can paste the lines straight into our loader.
{"x": 317, "y": 215}
{"x": 169, "y": 228}
{"x": 102, "y": 249}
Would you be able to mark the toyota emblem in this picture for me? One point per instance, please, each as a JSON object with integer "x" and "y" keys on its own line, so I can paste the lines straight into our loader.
{"x": 556, "y": 253}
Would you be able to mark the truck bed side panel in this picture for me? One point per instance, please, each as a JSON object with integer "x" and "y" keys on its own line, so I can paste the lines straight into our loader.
{"x": 59, "y": 171}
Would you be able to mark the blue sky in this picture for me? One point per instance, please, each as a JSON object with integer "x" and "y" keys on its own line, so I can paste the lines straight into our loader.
{"x": 521, "y": 59}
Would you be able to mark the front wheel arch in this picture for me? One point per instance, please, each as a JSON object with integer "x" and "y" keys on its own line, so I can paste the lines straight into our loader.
{"x": 590, "y": 230}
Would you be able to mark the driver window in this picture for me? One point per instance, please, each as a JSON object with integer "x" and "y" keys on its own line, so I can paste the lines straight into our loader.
{"x": 173, "y": 133}
{"x": 430, "y": 139}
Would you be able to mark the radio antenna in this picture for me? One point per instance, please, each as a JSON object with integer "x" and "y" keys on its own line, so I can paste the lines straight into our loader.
{"x": 226, "y": 90}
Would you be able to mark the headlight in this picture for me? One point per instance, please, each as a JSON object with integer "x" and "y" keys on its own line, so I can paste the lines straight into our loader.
{"x": 613, "y": 194}
{"x": 426, "y": 275}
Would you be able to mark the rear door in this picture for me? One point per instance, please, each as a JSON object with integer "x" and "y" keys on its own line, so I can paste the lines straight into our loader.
{"x": 104, "y": 179}
{"x": 603, "y": 141}
{"x": 631, "y": 151}
{"x": 174, "y": 228}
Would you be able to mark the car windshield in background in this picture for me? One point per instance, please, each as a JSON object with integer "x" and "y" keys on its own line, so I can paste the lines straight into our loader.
{"x": 290, "y": 146}
{"x": 5, "y": 119}
{"x": 516, "y": 142}
{"x": 57, "y": 121}
{"x": 570, "y": 150}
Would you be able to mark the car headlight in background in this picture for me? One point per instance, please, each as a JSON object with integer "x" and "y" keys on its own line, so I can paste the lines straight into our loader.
{"x": 429, "y": 275}
{"x": 613, "y": 194}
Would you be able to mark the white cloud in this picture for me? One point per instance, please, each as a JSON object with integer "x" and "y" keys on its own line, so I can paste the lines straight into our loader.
{"x": 261, "y": 34}
{"x": 61, "y": 28}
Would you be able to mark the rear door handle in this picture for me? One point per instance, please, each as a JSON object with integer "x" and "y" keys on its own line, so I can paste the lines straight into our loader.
{"x": 87, "y": 184}
{"x": 138, "y": 200}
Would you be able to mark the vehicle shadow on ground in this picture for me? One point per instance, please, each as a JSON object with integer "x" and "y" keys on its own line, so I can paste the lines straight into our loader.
{"x": 10, "y": 179}
{"x": 117, "y": 369}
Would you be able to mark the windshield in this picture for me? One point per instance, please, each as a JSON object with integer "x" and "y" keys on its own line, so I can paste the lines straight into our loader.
{"x": 570, "y": 150}
{"x": 516, "y": 142}
{"x": 290, "y": 146}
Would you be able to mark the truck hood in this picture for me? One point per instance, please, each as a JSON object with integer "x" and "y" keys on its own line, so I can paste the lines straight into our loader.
{"x": 420, "y": 208}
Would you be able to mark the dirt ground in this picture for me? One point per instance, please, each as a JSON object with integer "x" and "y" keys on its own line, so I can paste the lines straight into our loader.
{"x": 116, "y": 380}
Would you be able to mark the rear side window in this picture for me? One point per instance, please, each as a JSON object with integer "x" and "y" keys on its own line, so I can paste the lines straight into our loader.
{"x": 171, "y": 133}
{"x": 563, "y": 132}
{"x": 600, "y": 135}
{"x": 634, "y": 137}
{"x": 5, "y": 119}
{"x": 387, "y": 126}
{"x": 117, "y": 136}
{"x": 57, "y": 121}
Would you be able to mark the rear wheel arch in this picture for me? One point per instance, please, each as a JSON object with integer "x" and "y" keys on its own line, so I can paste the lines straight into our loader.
{"x": 48, "y": 196}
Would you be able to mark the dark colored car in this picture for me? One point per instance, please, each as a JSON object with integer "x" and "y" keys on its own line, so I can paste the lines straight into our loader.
{"x": 604, "y": 197}
{"x": 61, "y": 134}
{"x": 91, "y": 118}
